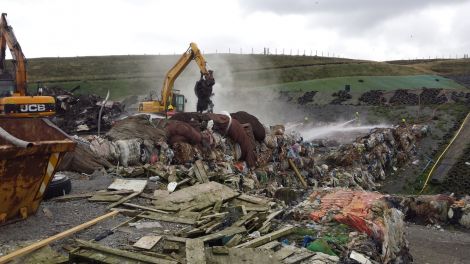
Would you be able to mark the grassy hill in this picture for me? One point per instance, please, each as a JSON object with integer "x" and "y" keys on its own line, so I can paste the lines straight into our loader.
{"x": 138, "y": 74}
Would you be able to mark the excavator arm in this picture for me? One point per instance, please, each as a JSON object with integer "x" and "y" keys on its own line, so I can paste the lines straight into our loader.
{"x": 192, "y": 53}
{"x": 13, "y": 99}
{"x": 7, "y": 38}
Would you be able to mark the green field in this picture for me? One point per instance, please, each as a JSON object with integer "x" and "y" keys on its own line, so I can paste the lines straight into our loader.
{"x": 370, "y": 83}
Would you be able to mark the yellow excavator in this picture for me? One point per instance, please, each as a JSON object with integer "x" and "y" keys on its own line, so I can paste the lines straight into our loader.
{"x": 171, "y": 99}
{"x": 14, "y": 100}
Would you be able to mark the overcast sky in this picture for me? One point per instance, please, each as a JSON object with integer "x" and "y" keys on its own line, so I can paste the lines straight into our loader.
{"x": 363, "y": 29}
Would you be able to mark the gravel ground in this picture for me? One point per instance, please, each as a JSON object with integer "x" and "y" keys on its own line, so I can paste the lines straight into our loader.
{"x": 54, "y": 217}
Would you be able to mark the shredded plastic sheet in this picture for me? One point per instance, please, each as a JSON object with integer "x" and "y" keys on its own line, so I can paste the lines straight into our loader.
{"x": 367, "y": 212}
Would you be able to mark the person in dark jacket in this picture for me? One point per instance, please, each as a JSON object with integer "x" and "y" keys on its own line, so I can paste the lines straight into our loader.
{"x": 203, "y": 90}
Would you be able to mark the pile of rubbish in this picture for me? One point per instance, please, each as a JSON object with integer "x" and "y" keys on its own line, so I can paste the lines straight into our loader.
{"x": 79, "y": 112}
{"x": 237, "y": 145}
{"x": 370, "y": 159}
{"x": 224, "y": 188}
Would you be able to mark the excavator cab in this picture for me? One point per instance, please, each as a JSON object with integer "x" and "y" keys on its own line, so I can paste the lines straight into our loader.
{"x": 178, "y": 101}
{"x": 7, "y": 85}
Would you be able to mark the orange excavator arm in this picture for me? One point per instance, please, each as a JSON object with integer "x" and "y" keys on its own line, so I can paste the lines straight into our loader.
{"x": 163, "y": 105}
{"x": 193, "y": 52}
{"x": 7, "y": 38}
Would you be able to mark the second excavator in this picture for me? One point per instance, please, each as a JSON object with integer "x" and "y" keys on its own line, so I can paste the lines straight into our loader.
{"x": 172, "y": 100}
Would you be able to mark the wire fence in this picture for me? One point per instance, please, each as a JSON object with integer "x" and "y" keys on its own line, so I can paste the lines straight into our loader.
{"x": 321, "y": 53}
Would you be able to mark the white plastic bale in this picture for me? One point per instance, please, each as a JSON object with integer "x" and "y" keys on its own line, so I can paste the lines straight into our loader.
{"x": 129, "y": 151}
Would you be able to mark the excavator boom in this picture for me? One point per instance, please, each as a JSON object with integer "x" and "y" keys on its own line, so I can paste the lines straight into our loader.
{"x": 165, "y": 102}
{"x": 7, "y": 37}
{"x": 14, "y": 101}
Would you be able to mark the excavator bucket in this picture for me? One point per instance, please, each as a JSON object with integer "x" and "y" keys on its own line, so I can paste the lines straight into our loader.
{"x": 30, "y": 150}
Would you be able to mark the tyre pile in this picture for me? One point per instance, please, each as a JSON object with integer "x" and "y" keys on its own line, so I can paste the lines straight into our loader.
{"x": 403, "y": 97}
{"x": 341, "y": 96}
{"x": 306, "y": 98}
{"x": 458, "y": 178}
{"x": 460, "y": 97}
{"x": 432, "y": 96}
{"x": 373, "y": 97}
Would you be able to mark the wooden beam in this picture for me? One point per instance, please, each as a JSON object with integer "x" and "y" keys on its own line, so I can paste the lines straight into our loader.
{"x": 226, "y": 232}
{"x": 270, "y": 245}
{"x": 301, "y": 178}
{"x": 267, "y": 238}
{"x": 124, "y": 253}
{"x": 87, "y": 195}
{"x": 195, "y": 252}
{"x": 145, "y": 208}
{"x": 123, "y": 200}
{"x": 167, "y": 218}
{"x": 51, "y": 239}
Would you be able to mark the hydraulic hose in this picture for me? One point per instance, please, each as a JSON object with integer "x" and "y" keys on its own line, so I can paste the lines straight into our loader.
{"x": 14, "y": 140}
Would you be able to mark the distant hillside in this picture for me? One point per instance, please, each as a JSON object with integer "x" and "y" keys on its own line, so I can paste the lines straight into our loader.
{"x": 456, "y": 69}
{"x": 137, "y": 74}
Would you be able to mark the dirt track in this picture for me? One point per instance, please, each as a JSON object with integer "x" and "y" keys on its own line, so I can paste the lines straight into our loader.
{"x": 432, "y": 246}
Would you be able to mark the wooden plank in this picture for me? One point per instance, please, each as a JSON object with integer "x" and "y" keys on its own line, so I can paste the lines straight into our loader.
{"x": 297, "y": 173}
{"x": 123, "y": 200}
{"x": 252, "y": 199}
{"x": 51, "y": 239}
{"x": 214, "y": 215}
{"x": 124, "y": 253}
{"x": 176, "y": 239}
{"x": 284, "y": 252}
{"x": 298, "y": 257}
{"x": 105, "y": 198}
{"x": 256, "y": 208}
{"x": 137, "y": 186}
{"x": 235, "y": 240}
{"x": 195, "y": 252}
{"x": 145, "y": 208}
{"x": 147, "y": 242}
{"x": 167, "y": 218}
{"x": 87, "y": 195}
{"x": 244, "y": 219}
{"x": 271, "y": 245}
{"x": 267, "y": 238}
{"x": 226, "y": 232}
{"x": 200, "y": 171}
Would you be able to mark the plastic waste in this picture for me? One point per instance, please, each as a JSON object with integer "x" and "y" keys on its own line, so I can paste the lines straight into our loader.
{"x": 320, "y": 245}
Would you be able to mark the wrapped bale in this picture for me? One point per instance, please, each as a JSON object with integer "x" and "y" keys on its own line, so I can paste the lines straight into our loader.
{"x": 256, "y": 126}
